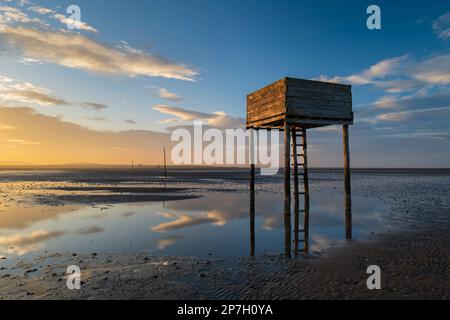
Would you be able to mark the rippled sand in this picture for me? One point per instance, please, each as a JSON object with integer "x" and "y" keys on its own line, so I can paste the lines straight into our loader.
{"x": 414, "y": 259}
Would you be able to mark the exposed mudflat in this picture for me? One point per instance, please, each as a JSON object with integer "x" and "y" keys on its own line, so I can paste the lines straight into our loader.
{"x": 414, "y": 258}
{"x": 415, "y": 265}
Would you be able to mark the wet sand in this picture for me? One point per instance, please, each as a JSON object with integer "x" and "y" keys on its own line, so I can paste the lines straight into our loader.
{"x": 414, "y": 261}
{"x": 415, "y": 265}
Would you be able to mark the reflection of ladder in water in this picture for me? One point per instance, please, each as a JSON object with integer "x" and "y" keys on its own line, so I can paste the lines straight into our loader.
{"x": 300, "y": 164}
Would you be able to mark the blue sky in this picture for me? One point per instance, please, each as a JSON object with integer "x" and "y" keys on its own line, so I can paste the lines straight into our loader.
{"x": 225, "y": 49}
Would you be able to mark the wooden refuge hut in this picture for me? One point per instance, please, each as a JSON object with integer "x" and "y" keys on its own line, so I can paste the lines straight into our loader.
{"x": 295, "y": 105}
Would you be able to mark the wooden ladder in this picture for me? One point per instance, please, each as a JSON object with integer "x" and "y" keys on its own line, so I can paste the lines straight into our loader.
{"x": 300, "y": 169}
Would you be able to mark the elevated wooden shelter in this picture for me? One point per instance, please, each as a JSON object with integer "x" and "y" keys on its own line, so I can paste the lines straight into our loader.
{"x": 295, "y": 105}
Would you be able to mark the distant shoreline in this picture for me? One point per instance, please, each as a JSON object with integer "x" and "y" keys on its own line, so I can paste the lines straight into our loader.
{"x": 169, "y": 167}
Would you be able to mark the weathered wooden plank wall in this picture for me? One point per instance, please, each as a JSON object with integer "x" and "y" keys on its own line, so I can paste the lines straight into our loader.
{"x": 268, "y": 102}
{"x": 318, "y": 99}
{"x": 291, "y": 98}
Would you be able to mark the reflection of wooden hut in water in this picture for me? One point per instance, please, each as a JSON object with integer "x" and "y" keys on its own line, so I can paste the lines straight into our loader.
{"x": 295, "y": 105}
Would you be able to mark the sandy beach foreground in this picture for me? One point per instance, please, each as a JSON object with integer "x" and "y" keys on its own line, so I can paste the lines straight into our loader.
{"x": 415, "y": 265}
{"x": 414, "y": 259}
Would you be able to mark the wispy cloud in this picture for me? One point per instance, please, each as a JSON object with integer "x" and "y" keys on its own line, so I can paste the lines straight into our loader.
{"x": 13, "y": 16}
{"x": 32, "y": 96}
{"x": 73, "y": 50}
{"x": 413, "y": 114}
{"x": 401, "y": 74}
{"x": 182, "y": 114}
{"x": 441, "y": 26}
{"x": 130, "y": 121}
{"x": 408, "y": 103}
{"x": 379, "y": 70}
{"x": 81, "y": 25}
{"x": 41, "y": 10}
{"x": 35, "y": 39}
{"x": 61, "y": 18}
{"x": 100, "y": 119}
{"x": 425, "y": 116}
{"x": 94, "y": 106}
{"x": 22, "y": 142}
{"x": 13, "y": 90}
{"x": 217, "y": 119}
{"x": 166, "y": 94}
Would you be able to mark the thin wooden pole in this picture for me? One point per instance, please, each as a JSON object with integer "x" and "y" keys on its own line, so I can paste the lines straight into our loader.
{"x": 252, "y": 191}
{"x": 296, "y": 192}
{"x": 252, "y": 209}
{"x": 165, "y": 166}
{"x": 347, "y": 185}
{"x": 287, "y": 190}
